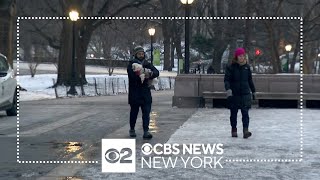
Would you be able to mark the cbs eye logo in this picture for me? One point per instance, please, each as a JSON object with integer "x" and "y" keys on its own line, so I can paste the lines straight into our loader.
{"x": 146, "y": 149}
{"x": 113, "y": 155}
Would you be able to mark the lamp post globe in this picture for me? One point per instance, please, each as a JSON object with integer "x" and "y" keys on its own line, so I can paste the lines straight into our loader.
{"x": 186, "y": 1}
{"x": 152, "y": 31}
{"x": 288, "y": 47}
{"x": 73, "y": 15}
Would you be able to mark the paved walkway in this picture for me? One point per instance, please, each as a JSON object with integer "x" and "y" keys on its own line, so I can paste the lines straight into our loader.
{"x": 275, "y": 151}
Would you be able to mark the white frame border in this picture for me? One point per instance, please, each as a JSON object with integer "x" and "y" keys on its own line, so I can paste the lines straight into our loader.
{"x": 164, "y": 18}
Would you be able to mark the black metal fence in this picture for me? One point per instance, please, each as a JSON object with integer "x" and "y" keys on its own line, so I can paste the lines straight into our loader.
{"x": 98, "y": 86}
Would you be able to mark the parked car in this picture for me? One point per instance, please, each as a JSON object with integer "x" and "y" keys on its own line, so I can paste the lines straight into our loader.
{"x": 8, "y": 88}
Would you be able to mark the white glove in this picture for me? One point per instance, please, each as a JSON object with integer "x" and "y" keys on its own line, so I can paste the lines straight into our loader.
{"x": 229, "y": 93}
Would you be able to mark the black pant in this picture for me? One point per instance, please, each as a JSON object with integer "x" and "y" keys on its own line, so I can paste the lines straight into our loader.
{"x": 245, "y": 117}
{"x": 145, "y": 108}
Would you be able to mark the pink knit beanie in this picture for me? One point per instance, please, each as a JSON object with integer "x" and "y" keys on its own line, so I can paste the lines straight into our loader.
{"x": 238, "y": 52}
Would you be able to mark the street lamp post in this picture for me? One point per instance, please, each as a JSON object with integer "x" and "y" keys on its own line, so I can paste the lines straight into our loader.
{"x": 74, "y": 16}
{"x": 187, "y": 4}
{"x": 152, "y": 31}
{"x": 318, "y": 63}
{"x": 288, "y": 49}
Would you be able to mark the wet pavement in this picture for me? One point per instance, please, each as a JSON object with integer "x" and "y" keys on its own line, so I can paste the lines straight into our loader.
{"x": 280, "y": 148}
{"x": 71, "y": 130}
{"x": 64, "y": 129}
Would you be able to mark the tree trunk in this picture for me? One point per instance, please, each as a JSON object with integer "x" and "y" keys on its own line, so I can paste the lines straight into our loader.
{"x": 27, "y": 44}
{"x": 178, "y": 47}
{"x": 232, "y": 39}
{"x": 11, "y": 29}
{"x": 248, "y": 30}
{"x": 177, "y": 38}
{"x": 275, "y": 61}
{"x": 295, "y": 53}
{"x": 311, "y": 56}
{"x": 307, "y": 58}
{"x": 167, "y": 6}
{"x": 65, "y": 55}
{"x": 66, "y": 48}
{"x": 220, "y": 45}
{"x": 217, "y": 56}
{"x": 83, "y": 38}
{"x": 172, "y": 54}
{"x": 166, "y": 36}
{"x": 7, "y": 18}
{"x": 220, "y": 35}
{"x": 107, "y": 55}
{"x": 248, "y": 35}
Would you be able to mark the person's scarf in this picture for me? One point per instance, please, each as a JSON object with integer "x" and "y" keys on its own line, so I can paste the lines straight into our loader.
{"x": 242, "y": 63}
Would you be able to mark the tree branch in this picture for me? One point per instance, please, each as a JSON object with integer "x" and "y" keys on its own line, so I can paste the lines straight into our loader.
{"x": 63, "y": 5}
{"x": 278, "y": 7}
{"x": 53, "y": 10}
{"x": 104, "y": 8}
{"x": 90, "y": 7}
{"x": 136, "y": 4}
{"x": 311, "y": 9}
{"x": 45, "y": 36}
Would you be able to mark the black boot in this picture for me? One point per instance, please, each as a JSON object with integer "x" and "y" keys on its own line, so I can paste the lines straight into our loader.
{"x": 147, "y": 135}
{"x": 234, "y": 132}
{"x": 246, "y": 133}
{"x": 132, "y": 133}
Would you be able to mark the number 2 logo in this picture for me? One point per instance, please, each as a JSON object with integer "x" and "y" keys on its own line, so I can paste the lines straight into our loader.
{"x": 112, "y": 155}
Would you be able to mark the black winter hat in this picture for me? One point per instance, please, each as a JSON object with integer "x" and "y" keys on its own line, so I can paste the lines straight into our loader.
{"x": 138, "y": 49}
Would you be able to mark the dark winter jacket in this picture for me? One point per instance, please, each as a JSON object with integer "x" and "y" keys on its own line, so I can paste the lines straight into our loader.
{"x": 140, "y": 93}
{"x": 239, "y": 80}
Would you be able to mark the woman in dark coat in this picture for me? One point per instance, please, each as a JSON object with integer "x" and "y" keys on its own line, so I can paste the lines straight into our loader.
{"x": 239, "y": 86}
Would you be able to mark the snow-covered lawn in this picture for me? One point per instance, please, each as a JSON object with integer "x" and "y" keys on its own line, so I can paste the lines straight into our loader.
{"x": 92, "y": 69}
{"x": 40, "y": 86}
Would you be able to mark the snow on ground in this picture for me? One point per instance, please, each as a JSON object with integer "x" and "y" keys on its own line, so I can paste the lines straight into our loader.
{"x": 273, "y": 152}
{"x": 91, "y": 69}
{"x": 37, "y": 87}
{"x": 40, "y": 86}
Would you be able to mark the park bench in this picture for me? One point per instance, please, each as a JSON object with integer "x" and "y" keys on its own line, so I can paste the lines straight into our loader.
{"x": 210, "y": 99}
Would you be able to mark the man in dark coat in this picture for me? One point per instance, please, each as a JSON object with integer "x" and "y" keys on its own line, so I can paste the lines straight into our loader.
{"x": 239, "y": 86}
{"x": 139, "y": 91}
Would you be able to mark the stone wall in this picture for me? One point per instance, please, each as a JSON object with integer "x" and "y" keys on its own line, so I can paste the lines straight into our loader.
{"x": 189, "y": 87}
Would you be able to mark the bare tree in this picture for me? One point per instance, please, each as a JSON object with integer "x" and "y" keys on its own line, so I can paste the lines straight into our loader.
{"x": 306, "y": 10}
{"x": 84, "y": 28}
{"x": 311, "y": 22}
